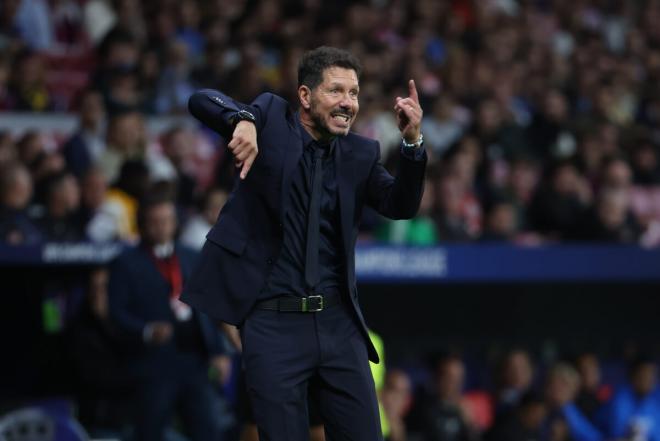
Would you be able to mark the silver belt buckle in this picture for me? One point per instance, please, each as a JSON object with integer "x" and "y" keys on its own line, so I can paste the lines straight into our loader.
{"x": 312, "y": 303}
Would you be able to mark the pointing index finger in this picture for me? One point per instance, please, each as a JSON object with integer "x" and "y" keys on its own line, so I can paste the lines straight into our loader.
{"x": 412, "y": 90}
{"x": 247, "y": 164}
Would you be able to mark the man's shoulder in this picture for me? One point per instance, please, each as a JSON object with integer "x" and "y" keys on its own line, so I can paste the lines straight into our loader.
{"x": 364, "y": 144}
{"x": 271, "y": 100}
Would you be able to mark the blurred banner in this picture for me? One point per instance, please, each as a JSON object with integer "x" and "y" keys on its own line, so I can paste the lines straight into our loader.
{"x": 456, "y": 263}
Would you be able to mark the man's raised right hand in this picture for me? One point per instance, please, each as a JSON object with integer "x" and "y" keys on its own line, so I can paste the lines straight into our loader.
{"x": 243, "y": 145}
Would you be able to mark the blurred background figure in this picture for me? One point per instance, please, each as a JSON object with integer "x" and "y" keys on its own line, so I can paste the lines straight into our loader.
{"x": 525, "y": 422}
{"x": 116, "y": 216}
{"x": 634, "y": 410}
{"x": 565, "y": 420}
{"x": 443, "y": 416}
{"x": 60, "y": 221}
{"x": 514, "y": 379}
{"x": 175, "y": 346}
{"x": 177, "y": 145}
{"x": 87, "y": 144}
{"x": 592, "y": 393}
{"x": 102, "y": 380}
{"x": 195, "y": 230}
{"x": 16, "y": 228}
{"x": 396, "y": 398}
{"x": 125, "y": 141}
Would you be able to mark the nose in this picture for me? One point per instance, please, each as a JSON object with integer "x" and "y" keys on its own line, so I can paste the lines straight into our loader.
{"x": 346, "y": 102}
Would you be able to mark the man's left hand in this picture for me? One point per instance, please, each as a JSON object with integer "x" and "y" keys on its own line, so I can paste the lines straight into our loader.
{"x": 409, "y": 114}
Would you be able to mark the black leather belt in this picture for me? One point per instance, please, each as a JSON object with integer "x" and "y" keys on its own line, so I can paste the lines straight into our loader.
{"x": 313, "y": 303}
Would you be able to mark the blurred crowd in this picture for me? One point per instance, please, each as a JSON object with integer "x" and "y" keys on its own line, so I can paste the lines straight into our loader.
{"x": 561, "y": 401}
{"x": 541, "y": 117}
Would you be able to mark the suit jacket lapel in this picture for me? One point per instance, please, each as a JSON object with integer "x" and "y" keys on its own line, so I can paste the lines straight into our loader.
{"x": 292, "y": 156}
{"x": 345, "y": 170}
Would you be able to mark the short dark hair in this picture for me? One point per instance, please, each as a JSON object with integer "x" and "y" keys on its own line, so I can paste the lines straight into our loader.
{"x": 147, "y": 203}
{"x": 313, "y": 63}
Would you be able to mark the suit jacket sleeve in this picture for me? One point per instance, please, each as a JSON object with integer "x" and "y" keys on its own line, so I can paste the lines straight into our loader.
{"x": 397, "y": 197}
{"x": 120, "y": 291}
{"x": 217, "y": 110}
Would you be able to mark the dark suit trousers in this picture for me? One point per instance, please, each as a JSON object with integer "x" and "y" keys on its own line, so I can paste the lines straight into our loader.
{"x": 283, "y": 351}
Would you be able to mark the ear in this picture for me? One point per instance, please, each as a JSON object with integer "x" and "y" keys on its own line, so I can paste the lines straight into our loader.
{"x": 305, "y": 97}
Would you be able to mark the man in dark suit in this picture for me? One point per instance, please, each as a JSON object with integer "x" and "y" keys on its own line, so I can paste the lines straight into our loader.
{"x": 174, "y": 346}
{"x": 280, "y": 261}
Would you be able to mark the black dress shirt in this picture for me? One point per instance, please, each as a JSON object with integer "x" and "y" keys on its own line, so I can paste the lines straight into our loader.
{"x": 288, "y": 274}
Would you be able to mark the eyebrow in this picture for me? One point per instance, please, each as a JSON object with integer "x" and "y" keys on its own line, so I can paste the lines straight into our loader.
{"x": 336, "y": 84}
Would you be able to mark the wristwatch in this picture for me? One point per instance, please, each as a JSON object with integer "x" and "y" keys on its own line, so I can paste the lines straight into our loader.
{"x": 416, "y": 144}
{"x": 244, "y": 115}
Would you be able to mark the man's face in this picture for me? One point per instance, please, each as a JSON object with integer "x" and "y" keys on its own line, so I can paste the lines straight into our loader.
{"x": 334, "y": 102}
{"x": 160, "y": 224}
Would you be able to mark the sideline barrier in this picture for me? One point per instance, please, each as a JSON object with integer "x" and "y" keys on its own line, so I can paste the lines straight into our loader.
{"x": 456, "y": 263}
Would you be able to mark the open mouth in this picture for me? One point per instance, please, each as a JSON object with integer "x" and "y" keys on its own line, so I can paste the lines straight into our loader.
{"x": 341, "y": 117}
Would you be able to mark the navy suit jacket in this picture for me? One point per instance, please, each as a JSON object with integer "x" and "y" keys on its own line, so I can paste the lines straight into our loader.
{"x": 139, "y": 294}
{"x": 244, "y": 243}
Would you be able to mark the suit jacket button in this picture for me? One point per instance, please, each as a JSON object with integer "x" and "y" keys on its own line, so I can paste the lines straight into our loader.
{"x": 269, "y": 261}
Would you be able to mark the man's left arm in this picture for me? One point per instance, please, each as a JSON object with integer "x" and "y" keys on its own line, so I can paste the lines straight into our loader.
{"x": 399, "y": 198}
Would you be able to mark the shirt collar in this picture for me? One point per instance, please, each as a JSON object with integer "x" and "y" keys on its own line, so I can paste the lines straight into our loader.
{"x": 164, "y": 250}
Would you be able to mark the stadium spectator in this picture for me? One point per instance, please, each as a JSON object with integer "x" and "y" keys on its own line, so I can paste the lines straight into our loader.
{"x": 634, "y": 410}
{"x": 501, "y": 223}
{"x": 514, "y": 379}
{"x": 30, "y": 147}
{"x": 396, "y": 398}
{"x": 592, "y": 393}
{"x": 6, "y": 100}
{"x": 126, "y": 140}
{"x": 521, "y": 184}
{"x": 103, "y": 383}
{"x": 116, "y": 218}
{"x": 610, "y": 220}
{"x": 87, "y": 144}
{"x": 174, "y": 86}
{"x": 177, "y": 144}
{"x": 7, "y": 148}
{"x": 60, "y": 221}
{"x": 525, "y": 422}
{"x": 118, "y": 52}
{"x": 28, "y": 88}
{"x": 565, "y": 420}
{"x": 444, "y": 417}
{"x": 499, "y": 136}
{"x": 193, "y": 233}
{"x": 178, "y": 346}
{"x": 16, "y": 228}
{"x": 33, "y": 22}
{"x": 450, "y": 215}
{"x": 445, "y": 125}
{"x": 615, "y": 172}
{"x": 93, "y": 192}
{"x": 550, "y": 133}
{"x": 560, "y": 203}
{"x": 646, "y": 166}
